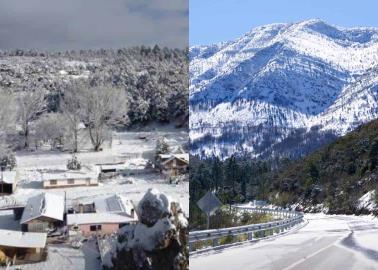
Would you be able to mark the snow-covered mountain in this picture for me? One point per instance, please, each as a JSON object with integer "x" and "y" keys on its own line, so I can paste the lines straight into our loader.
{"x": 251, "y": 94}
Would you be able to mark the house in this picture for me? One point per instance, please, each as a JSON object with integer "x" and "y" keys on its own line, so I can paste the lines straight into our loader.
{"x": 102, "y": 217}
{"x": 110, "y": 170}
{"x": 112, "y": 167}
{"x": 43, "y": 213}
{"x": 22, "y": 247}
{"x": 173, "y": 164}
{"x": 8, "y": 182}
{"x": 86, "y": 176}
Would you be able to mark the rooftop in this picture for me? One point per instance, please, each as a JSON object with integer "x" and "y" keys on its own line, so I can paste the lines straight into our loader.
{"x": 166, "y": 157}
{"x": 44, "y": 205}
{"x": 111, "y": 209}
{"x": 85, "y": 172}
{"x": 113, "y": 204}
{"x": 115, "y": 166}
{"x": 98, "y": 218}
{"x": 22, "y": 239}
{"x": 8, "y": 177}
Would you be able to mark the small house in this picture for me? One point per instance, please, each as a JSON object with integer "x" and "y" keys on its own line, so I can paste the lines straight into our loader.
{"x": 174, "y": 164}
{"x": 86, "y": 176}
{"x": 107, "y": 216}
{"x": 21, "y": 247}
{"x": 110, "y": 170}
{"x": 43, "y": 213}
{"x": 112, "y": 167}
{"x": 8, "y": 182}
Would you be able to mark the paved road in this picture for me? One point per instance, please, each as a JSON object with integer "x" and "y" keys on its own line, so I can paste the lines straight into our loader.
{"x": 325, "y": 243}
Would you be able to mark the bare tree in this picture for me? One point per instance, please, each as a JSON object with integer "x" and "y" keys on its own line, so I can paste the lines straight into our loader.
{"x": 102, "y": 109}
{"x": 72, "y": 109}
{"x": 7, "y": 112}
{"x": 30, "y": 105}
{"x": 51, "y": 128}
{"x": 7, "y": 125}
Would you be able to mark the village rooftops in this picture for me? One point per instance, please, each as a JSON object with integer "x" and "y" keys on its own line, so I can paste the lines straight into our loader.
{"x": 86, "y": 172}
{"x": 98, "y": 218}
{"x": 45, "y": 205}
{"x": 8, "y": 177}
{"x": 22, "y": 239}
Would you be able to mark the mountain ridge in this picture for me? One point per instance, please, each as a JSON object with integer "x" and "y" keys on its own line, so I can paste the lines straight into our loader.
{"x": 287, "y": 76}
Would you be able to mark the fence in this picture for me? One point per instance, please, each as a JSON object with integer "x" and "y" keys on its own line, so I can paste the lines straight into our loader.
{"x": 210, "y": 239}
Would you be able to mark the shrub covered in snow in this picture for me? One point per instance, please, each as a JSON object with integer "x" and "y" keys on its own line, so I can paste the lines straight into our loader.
{"x": 7, "y": 159}
{"x": 158, "y": 241}
{"x": 73, "y": 163}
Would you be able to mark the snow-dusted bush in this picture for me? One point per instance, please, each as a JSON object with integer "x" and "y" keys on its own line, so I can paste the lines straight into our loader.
{"x": 7, "y": 159}
{"x": 158, "y": 240}
{"x": 73, "y": 163}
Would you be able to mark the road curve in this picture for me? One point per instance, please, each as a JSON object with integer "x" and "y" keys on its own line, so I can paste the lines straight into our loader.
{"x": 326, "y": 242}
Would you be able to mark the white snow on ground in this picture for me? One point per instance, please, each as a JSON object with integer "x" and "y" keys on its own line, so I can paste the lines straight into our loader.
{"x": 126, "y": 146}
{"x": 326, "y": 242}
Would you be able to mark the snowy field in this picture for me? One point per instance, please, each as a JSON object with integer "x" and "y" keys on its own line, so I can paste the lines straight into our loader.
{"x": 326, "y": 242}
{"x": 126, "y": 146}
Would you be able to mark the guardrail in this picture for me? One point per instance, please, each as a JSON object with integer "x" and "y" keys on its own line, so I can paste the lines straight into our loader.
{"x": 210, "y": 239}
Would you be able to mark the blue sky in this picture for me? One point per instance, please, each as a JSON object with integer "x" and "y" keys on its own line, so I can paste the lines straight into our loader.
{"x": 212, "y": 21}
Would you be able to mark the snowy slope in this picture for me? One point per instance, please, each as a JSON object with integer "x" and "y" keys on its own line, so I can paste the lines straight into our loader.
{"x": 278, "y": 78}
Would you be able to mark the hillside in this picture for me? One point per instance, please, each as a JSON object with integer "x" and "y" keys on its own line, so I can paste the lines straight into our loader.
{"x": 154, "y": 79}
{"x": 341, "y": 177}
{"x": 279, "y": 83}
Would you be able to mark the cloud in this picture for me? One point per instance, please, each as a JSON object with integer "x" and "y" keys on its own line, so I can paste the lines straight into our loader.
{"x": 80, "y": 24}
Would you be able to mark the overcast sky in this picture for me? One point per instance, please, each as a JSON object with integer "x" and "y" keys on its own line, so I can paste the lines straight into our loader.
{"x": 76, "y": 24}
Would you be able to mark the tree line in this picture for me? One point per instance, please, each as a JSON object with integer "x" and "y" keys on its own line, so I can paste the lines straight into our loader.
{"x": 53, "y": 97}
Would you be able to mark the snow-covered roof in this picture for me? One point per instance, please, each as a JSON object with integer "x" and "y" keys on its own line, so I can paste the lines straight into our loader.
{"x": 44, "y": 205}
{"x": 22, "y": 239}
{"x": 8, "y": 177}
{"x": 119, "y": 166}
{"x": 111, "y": 209}
{"x": 114, "y": 203}
{"x": 9, "y": 202}
{"x": 98, "y": 218}
{"x": 85, "y": 172}
{"x": 167, "y": 157}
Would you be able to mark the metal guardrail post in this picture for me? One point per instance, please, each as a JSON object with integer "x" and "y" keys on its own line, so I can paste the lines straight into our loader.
{"x": 215, "y": 242}
{"x": 191, "y": 247}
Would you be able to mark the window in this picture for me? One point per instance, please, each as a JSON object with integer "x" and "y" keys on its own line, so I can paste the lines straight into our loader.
{"x": 71, "y": 181}
{"x": 95, "y": 228}
{"x": 53, "y": 182}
